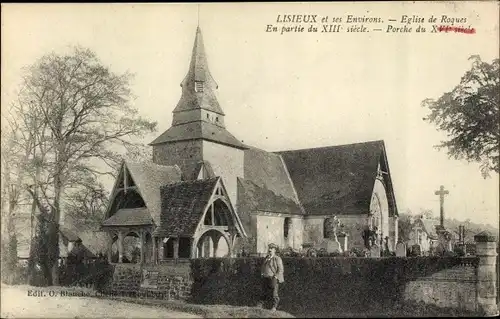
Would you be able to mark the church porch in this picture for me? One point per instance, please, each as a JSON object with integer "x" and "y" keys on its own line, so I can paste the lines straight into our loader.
{"x": 197, "y": 221}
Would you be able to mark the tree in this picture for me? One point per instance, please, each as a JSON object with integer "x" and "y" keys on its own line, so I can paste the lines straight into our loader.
{"x": 405, "y": 225}
{"x": 88, "y": 203}
{"x": 86, "y": 114}
{"x": 469, "y": 115}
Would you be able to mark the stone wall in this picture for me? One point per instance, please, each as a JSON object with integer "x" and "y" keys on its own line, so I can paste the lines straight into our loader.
{"x": 185, "y": 154}
{"x": 167, "y": 281}
{"x": 226, "y": 162}
{"x": 450, "y": 288}
{"x": 269, "y": 230}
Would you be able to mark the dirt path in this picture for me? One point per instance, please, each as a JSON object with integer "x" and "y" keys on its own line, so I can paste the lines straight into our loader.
{"x": 23, "y": 302}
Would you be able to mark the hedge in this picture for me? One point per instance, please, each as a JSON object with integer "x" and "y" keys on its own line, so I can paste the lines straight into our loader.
{"x": 328, "y": 283}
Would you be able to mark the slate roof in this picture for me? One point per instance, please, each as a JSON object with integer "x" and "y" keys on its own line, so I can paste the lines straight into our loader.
{"x": 148, "y": 178}
{"x": 338, "y": 179}
{"x": 268, "y": 171}
{"x": 129, "y": 217}
{"x": 183, "y": 205}
{"x": 198, "y": 72}
{"x": 198, "y": 130}
{"x": 253, "y": 197}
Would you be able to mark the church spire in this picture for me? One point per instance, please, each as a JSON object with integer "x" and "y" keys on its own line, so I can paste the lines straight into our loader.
{"x": 198, "y": 87}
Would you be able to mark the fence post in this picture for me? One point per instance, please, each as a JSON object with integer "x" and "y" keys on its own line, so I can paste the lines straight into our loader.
{"x": 486, "y": 250}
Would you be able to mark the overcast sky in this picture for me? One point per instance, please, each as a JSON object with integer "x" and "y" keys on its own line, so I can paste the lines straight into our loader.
{"x": 298, "y": 90}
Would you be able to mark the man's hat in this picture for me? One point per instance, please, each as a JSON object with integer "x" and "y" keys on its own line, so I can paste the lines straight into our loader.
{"x": 273, "y": 246}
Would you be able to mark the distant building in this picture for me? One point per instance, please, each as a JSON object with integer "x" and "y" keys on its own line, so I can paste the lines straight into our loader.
{"x": 208, "y": 194}
{"x": 423, "y": 232}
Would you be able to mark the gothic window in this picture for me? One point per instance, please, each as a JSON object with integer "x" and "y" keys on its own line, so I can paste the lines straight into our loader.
{"x": 198, "y": 86}
{"x": 286, "y": 226}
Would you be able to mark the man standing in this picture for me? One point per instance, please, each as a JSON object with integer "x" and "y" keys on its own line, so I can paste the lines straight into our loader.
{"x": 272, "y": 276}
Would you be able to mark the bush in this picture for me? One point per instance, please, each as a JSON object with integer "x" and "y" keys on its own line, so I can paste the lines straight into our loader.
{"x": 346, "y": 282}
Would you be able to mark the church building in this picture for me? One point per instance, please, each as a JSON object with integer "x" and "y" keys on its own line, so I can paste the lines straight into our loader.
{"x": 208, "y": 194}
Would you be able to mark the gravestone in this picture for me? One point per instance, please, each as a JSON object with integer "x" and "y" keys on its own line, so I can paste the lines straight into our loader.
{"x": 375, "y": 251}
{"x": 331, "y": 246}
{"x": 401, "y": 249}
{"x": 416, "y": 250}
{"x": 444, "y": 242}
{"x": 342, "y": 236}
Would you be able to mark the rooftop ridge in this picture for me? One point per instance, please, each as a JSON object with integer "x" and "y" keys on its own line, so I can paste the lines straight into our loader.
{"x": 330, "y": 147}
{"x": 190, "y": 182}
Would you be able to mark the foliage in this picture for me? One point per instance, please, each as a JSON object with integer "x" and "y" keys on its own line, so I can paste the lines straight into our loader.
{"x": 73, "y": 117}
{"x": 405, "y": 226}
{"x": 471, "y": 228}
{"x": 351, "y": 283}
{"x": 88, "y": 203}
{"x": 10, "y": 272}
{"x": 469, "y": 115}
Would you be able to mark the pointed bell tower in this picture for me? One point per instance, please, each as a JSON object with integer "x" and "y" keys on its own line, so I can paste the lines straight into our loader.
{"x": 198, "y": 101}
{"x": 198, "y": 134}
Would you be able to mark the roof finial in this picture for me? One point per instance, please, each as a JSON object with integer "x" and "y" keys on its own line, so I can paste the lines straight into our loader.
{"x": 198, "y": 15}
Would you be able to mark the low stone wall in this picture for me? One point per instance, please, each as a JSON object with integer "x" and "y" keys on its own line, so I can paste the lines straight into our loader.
{"x": 455, "y": 288}
{"x": 163, "y": 281}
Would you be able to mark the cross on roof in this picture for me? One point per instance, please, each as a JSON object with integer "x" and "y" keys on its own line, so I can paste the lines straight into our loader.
{"x": 441, "y": 192}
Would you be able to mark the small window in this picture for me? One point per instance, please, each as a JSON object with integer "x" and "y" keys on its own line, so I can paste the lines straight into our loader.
{"x": 198, "y": 86}
{"x": 217, "y": 119}
{"x": 208, "y": 116}
{"x": 327, "y": 228}
{"x": 286, "y": 227}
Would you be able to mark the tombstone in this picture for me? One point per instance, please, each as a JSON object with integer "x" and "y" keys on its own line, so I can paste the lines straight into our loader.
{"x": 375, "y": 251}
{"x": 416, "y": 250}
{"x": 444, "y": 242}
{"x": 401, "y": 249}
{"x": 343, "y": 240}
{"x": 331, "y": 246}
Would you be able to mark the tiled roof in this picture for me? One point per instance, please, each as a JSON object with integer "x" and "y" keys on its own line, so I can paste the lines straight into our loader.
{"x": 268, "y": 171}
{"x": 198, "y": 72}
{"x": 129, "y": 217}
{"x": 183, "y": 205}
{"x": 149, "y": 177}
{"x": 252, "y": 197}
{"x": 339, "y": 179}
{"x": 198, "y": 130}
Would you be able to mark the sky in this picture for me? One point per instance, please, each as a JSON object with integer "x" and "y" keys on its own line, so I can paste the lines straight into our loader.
{"x": 290, "y": 91}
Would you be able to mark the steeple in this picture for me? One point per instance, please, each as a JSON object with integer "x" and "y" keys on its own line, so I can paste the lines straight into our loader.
{"x": 198, "y": 115}
{"x": 198, "y": 87}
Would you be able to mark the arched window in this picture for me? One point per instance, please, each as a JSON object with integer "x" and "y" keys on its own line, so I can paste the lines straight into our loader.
{"x": 286, "y": 226}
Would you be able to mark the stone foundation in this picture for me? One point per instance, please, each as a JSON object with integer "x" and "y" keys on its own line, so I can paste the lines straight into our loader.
{"x": 450, "y": 288}
{"x": 171, "y": 282}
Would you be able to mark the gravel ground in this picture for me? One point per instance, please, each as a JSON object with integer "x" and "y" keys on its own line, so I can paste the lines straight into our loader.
{"x": 23, "y": 302}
